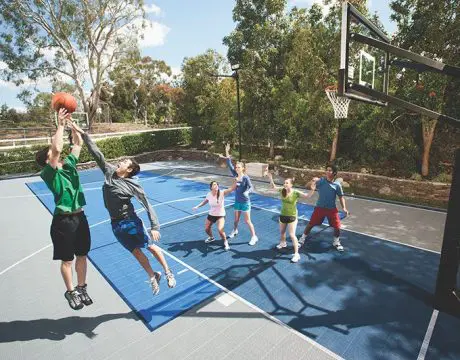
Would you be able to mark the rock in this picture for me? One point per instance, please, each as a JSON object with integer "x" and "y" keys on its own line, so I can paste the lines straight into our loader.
{"x": 385, "y": 190}
{"x": 180, "y": 158}
{"x": 278, "y": 157}
{"x": 364, "y": 171}
{"x": 345, "y": 184}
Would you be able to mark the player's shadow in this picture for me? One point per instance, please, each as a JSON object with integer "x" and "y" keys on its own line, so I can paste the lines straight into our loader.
{"x": 189, "y": 247}
{"x": 56, "y": 329}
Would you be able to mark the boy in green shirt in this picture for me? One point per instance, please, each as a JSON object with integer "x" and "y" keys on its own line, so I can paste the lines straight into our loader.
{"x": 69, "y": 229}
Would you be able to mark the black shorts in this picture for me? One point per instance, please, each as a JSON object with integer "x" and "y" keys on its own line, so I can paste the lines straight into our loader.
{"x": 70, "y": 235}
{"x": 213, "y": 218}
{"x": 287, "y": 219}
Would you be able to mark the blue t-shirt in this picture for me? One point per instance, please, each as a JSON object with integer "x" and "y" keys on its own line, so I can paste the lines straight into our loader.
{"x": 327, "y": 192}
{"x": 243, "y": 186}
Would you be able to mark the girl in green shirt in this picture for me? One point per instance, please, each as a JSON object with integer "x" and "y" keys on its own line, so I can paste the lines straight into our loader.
{"x": 288, "y": 216}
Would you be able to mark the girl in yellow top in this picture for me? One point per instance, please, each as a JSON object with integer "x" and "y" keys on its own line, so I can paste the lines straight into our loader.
{"x": 288, "y": 216}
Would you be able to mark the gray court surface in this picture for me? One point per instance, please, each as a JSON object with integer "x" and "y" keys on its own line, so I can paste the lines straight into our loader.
{"x": 37, "y": 323}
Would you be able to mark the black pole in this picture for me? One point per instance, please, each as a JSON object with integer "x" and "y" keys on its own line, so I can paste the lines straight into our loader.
{"x": 447, "y": 297}
{"x": 237, "y": 78}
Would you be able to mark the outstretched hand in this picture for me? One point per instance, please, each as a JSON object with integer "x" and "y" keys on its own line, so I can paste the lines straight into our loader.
{"x": 63, "y": 116}
{"x": 227, "y": 150}
{"x": 155, "y": 235}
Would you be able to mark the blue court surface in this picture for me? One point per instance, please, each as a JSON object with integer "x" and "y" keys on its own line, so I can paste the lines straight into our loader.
{"x": 372, "y": 301}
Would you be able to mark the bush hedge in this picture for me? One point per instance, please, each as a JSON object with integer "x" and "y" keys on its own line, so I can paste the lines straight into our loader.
{"x": 21, "y": 160}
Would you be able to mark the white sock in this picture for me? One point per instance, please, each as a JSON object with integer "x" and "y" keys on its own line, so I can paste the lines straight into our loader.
{"x": 336, "y": 239}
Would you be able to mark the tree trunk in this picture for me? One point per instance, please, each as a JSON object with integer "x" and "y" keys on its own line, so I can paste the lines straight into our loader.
{"x": 335, "y": 141}
{"x": 428, "y": 128}
{"x": 271, "y": 155}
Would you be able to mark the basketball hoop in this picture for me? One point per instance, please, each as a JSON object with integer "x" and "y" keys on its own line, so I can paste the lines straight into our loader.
{"x": 339, "y": 103}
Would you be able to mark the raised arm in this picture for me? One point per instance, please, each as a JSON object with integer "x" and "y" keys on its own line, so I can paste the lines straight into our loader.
{"x": 57, "y": 141}
{"x": 272, "y": 183}
{"x": 77, "y": 143}
{"x": 92, "y": 148}
{"x": 231, "y": 188}
{"x": 229, "y": 160}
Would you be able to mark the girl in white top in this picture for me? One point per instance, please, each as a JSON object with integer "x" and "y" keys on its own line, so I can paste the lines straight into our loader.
{"x": 216, "y": 200}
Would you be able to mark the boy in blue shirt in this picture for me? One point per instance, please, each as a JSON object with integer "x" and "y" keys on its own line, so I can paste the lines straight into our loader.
{"x": 328, "y": 189}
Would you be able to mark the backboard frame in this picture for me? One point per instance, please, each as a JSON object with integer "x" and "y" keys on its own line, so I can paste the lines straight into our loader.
{"x": 356, "y": 91}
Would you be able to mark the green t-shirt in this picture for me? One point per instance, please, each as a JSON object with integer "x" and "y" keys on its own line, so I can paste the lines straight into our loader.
{"x": 289, "y": 203}
{"x": 65, "y": 185}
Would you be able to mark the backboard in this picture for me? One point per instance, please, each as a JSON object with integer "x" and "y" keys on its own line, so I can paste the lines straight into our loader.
{"x": 80, "y": 118}
{"x": 374, "y": 71}
{"x": 360, "y": 63}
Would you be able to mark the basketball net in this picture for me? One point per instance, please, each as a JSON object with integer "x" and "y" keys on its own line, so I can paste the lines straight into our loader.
{"x": 339, "y": 103}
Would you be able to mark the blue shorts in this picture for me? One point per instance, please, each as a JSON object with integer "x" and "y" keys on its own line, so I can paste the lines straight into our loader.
{"x": 130, "y": 233}
{"x": 238, "y": 206}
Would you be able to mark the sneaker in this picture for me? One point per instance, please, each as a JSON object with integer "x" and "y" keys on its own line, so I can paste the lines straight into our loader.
{"x": 281, "y": 245}
{"x": 226, "y": 246}
{"x": 233, "y": 234}
{"x": 155, "y": 283}
{"x": 209, "y": 240}
{"x": 295, "y": 258}
{"x": 84, "y": 297}
{"x": 337, "y": 245}
{"x": 170, "y": 279}
{"x": 302, "y": 239}
{"x": 254, "y": 240}
{"x": 73, "y": 297}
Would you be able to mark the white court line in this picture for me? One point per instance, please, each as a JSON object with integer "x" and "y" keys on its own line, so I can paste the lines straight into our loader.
{"x": 105, "y": 221}
{"x": 429, "y": 333}
{"x": 255, "y": 307}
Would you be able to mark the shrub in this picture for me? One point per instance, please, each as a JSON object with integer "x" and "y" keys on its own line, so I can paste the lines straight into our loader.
{"x": 22, "y": 160}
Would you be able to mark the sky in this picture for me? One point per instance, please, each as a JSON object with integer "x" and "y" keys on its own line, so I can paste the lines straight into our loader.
{"x": 186, "y": 28}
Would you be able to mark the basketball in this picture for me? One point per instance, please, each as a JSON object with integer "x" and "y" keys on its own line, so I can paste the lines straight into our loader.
{"x": 64, "y": 100}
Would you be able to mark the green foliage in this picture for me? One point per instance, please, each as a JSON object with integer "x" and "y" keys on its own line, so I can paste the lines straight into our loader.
{"x": 112, "y": 148}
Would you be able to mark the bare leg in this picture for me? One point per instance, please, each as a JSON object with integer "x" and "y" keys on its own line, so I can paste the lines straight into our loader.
{"x": 142, "y": 259}
{"x": 156, "y": 251}
{"x": 247, "y": 219}
{"x": 66, "y": 272}
{"x": 207, "y": 228}
{"x": 307, "y": 229}
{"x": 220, "y": 227}
{"x": 291, "y": 230}
{"x": 81, "y": 265}
{"x": 237, "y": 214}
{"x": 282, "y": 233}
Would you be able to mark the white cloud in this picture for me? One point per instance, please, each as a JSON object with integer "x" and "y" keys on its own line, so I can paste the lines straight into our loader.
{"x": 154, "y": 34}
{"x": 152, "y": 9}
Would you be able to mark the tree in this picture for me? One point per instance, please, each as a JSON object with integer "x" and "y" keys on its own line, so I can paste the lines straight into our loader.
{"x": 431, "y": 28}
{"x": 79, "y": 41}
{"x": 201, "y": 93}
{"x": 133, "y": 81}
{"x": 259, "y": 44}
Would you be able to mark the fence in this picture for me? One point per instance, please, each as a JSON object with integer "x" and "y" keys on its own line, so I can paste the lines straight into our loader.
{"x": 6, "y": 144}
